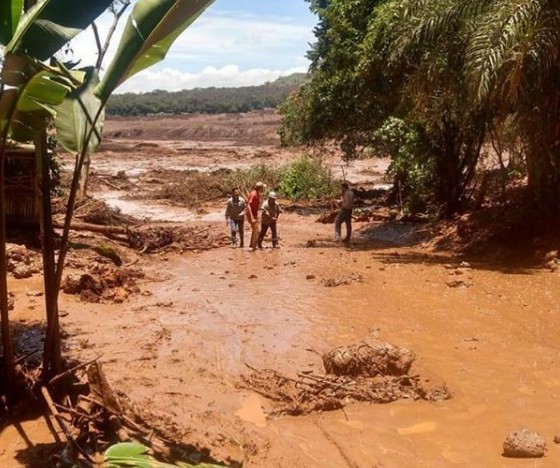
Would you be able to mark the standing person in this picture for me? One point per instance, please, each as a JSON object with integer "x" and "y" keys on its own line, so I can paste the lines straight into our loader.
{"x": 270, "y": 213}
{"x": 235, "y": 216}
{"x": 345, "y": 214}
{"x": 252, "y": 211}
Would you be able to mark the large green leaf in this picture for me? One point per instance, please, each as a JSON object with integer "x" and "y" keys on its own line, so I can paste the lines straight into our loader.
{"x": 75, "y": 115}
{"x": 25, "y": 125}
{"x": 149, "y": 32}
{"x": 10, "y": 12}
{"x": 34, "y": 89}
{"x": 131, "y": 454}
{"x": 50, "y": 24}
{"x": 44, "y": 91}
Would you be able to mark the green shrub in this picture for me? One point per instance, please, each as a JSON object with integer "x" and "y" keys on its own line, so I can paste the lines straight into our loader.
{"x": 306, "y": 179}
{"x": 411, "y": 166}
{"x": 245, "y": 179}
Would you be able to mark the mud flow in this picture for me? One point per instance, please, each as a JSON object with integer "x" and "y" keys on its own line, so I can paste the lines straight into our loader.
{"x": 224, "y": 348}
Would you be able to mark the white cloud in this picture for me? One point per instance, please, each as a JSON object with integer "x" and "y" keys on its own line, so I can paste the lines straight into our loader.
{"x": 219, "y": 49}
{"x": 228, "y": 76}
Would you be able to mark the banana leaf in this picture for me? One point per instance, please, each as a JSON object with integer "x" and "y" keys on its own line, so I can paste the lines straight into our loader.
{"x": 10, "y": 12}
{"x": 151, "y": 29}
{"x": 128, "y": 454}
{"x": 75, "y": 115}
{"x": 44, "y": 91}
{"x": 48, "y": 25}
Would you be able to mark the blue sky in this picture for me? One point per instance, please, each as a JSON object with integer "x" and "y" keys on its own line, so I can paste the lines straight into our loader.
{"x": 234, "y": 43}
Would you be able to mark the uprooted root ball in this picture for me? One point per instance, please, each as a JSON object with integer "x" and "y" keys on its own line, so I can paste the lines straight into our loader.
{"x": 372, "y": 371}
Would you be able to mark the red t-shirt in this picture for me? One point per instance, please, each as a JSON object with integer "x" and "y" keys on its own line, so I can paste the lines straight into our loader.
{"x": 253, "y": 202}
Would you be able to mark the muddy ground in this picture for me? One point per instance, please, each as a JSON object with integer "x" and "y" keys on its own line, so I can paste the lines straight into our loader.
{"x": 178, "y": 346}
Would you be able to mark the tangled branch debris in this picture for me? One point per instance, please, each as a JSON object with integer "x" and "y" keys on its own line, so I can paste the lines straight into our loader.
{"x": 157, "y": 238}
{"x": 91, "y": 418}
{"x": 372, "y": 371}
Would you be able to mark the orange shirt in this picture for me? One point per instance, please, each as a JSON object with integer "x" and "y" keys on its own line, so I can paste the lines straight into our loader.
{"x": 253, "y": 202}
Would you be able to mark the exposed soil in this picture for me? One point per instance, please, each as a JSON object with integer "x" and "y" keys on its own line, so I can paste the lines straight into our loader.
{"x": 181, "y": 346}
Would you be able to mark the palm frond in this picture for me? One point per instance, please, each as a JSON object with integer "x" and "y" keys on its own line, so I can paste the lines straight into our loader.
{"x": 496, "y": 41}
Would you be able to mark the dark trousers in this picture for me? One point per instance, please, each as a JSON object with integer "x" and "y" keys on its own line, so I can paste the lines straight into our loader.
{"x": 345, "y": 216}
{"x": 264, "y": 229}
{"x": 236, "y": 225}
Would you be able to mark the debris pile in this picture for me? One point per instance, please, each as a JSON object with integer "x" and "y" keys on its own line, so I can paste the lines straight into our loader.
{"x": 94, "y": 421}
{"x": 103, "y": 283}
{"x": 342, "y": 280}
{"x": 98, "y": 212}
{"x": 157, "y": 238}
{"x": 371, "y": 371}
{"x": 22, "y": 262}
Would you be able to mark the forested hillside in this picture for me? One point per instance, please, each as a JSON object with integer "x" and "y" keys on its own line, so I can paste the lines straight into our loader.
{"x": 207, "y": 100}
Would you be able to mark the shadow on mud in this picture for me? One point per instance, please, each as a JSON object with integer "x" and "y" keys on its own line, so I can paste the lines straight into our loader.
{"x": 503, "y": 251}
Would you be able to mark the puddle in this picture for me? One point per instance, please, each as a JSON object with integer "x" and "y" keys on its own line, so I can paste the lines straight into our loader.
{"x": 252, "y": 411}
{"x": 143, "y": 209}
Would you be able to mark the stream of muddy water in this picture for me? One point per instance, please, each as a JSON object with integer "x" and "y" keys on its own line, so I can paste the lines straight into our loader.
{"x": 178, "y": 349}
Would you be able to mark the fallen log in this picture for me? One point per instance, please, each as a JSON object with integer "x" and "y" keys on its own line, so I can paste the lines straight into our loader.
{"x": 78, "y": 226}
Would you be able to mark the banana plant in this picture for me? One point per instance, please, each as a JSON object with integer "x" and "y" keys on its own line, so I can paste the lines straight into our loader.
{"x": 150, "y": 30}
{"x": 75, "y": 99}
{"x": 32, "y": 31}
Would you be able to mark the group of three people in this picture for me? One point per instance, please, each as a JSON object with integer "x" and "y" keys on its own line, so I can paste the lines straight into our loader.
{"x": 237, "y": 210}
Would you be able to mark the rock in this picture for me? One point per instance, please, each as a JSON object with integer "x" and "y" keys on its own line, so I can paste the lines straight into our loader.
{"x": 557, "y": 439}
{"x": 310, "y": 277}
{"x": 524, "y": 443}
{"x": 22, "y": 271}
{"x": 458, "y": 284}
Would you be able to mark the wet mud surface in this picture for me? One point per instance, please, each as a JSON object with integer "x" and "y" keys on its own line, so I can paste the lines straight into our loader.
{"x": 177, "y": 350}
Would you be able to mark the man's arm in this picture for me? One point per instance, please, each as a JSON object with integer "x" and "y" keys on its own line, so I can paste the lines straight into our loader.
{"x": 228, "y": 210}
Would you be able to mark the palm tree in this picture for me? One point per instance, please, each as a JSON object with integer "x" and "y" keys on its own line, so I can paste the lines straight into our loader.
{"x": 511, "y": 64}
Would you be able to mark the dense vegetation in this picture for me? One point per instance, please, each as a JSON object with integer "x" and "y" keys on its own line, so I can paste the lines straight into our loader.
{"x": 306, "y": 178}
{"x": 207, "y": 100}
{"x": 445, "y": 87}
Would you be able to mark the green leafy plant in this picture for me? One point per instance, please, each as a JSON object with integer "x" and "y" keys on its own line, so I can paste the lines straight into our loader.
{"x": 307, "y": 178}
{"x": 411, "y": 167}
{"x": 246, "y": 178}
{"x": 130, "y": 454}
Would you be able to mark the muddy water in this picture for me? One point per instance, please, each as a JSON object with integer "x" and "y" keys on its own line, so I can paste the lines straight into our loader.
{"x": 178, "y": 349}
{"x": 489, "y": 334}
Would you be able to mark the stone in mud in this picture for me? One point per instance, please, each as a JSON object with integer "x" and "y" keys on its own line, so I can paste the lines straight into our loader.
{"x": 22, "y": 271}
{"x": 524, "y": 443}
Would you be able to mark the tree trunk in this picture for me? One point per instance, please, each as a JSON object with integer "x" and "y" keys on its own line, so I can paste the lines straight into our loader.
{"x": 52, "y": 354}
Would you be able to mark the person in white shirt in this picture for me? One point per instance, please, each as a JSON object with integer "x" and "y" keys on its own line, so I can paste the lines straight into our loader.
{"x": 345, "y": 214}
{"x": 235, "y": 215}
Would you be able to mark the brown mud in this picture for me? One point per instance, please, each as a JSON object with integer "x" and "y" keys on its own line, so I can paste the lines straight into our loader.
{"x": 177, "y": 348}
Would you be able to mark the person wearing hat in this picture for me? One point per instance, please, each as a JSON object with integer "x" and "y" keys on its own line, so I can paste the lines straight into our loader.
{"x": 252, "y": 212}
{"x": 270, "y": 213}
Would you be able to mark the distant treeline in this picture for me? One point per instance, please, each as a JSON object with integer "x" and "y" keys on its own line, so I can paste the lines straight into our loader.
{"x": 206, "y": 100}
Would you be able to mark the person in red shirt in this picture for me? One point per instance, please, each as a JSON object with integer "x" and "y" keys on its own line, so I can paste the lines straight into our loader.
{"x": 253, "y": 207}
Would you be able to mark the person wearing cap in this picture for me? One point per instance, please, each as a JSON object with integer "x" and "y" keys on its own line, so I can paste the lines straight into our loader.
{"x": 252, "y": 212}
{"x": 270, "y": 213}
{"x": 345, "y": 214}
{"x": 235, "y": 216}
